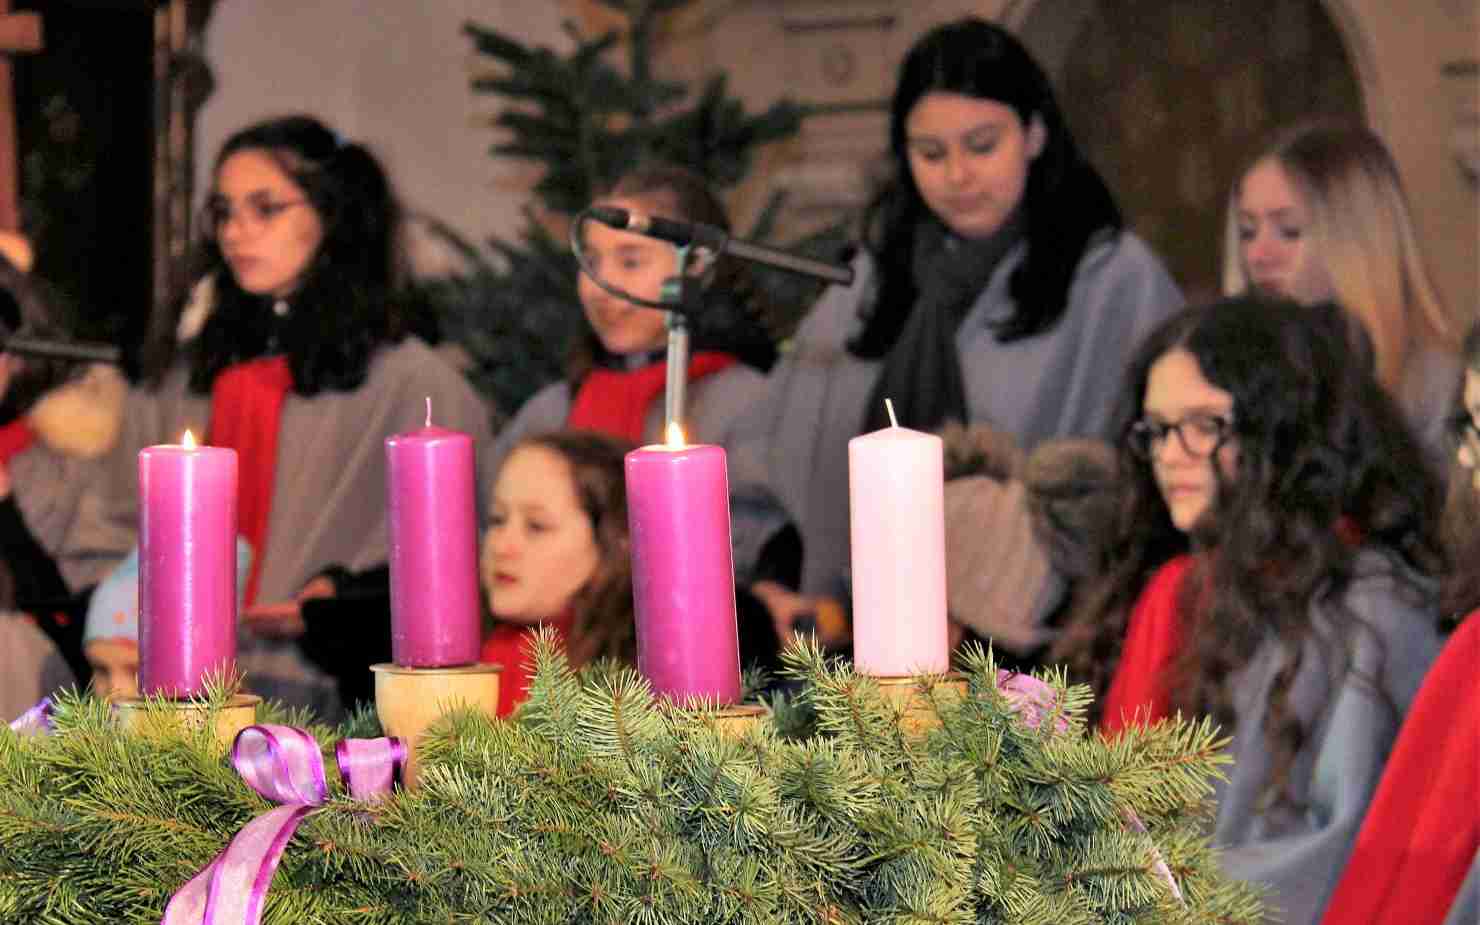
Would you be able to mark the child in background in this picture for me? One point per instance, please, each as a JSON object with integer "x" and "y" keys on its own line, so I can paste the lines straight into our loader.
{"x": 556, "y": 554}
{"x": 110, "y": 636}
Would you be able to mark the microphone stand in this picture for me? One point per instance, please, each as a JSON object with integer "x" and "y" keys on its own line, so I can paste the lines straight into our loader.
{"x": 682, "y": 294}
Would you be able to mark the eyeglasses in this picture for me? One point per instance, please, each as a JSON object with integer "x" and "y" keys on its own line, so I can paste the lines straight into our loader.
{"x": 1463, "y": 430}
{"x": 256, "y": 213}
{"x": 1200, "y": 434}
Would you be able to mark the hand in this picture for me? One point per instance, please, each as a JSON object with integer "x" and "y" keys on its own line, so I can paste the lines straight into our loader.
{"x": 285, "y": 620}
{"x": 4, "y": 481}
{"x": 787, "y": 607}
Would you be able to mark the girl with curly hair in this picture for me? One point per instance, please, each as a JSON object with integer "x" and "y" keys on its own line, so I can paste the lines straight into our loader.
{"x": 1271, "y": 566}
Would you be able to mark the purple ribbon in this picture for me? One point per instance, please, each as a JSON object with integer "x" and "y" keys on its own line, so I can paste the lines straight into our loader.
{"x": 283, "y": 764}
{"x": 1030, "y": 698}
{"x": 34, "y": 721}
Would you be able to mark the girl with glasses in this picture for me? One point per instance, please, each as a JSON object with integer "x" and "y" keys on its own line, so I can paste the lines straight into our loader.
{"x": 299, "y": 349}
{"x": 1271, "y": 567}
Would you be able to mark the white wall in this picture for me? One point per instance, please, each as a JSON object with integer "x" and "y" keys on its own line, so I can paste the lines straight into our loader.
{"x": 392, "y": 74}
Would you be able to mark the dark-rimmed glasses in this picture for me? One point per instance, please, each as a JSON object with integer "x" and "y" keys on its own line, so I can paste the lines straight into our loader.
{"x": 1463, "y": 430}
{"x": 254, "y": 211}
{"x": 1200, "y": 434}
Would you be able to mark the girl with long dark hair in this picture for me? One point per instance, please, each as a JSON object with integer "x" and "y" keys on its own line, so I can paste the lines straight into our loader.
{"x": 297, "y": 349}
{"x": 1273, "y": 567}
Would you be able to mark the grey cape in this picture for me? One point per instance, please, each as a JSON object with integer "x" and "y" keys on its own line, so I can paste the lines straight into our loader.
{"x": 1351, "y": 725}
{"x": 793, "y": 457}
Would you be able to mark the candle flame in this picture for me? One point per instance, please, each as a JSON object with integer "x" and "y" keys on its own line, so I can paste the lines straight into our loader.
{"x": 889, "y": 404}
{"x": 674, "y": 436}
{"x": 188, "y": 441}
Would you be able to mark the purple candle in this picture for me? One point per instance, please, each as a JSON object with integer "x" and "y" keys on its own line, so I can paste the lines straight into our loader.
{"x": 433, "y": 547}
{"x": 683, "y": 576}
{"x": 187, "y": 566}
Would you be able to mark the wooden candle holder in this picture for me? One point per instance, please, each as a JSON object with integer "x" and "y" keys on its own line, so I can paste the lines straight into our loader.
{"x": 735, "y": 720}
{"x": 147, "y": 717}
{"x": 408, "y": 700}
{"x": 918, "y": 714}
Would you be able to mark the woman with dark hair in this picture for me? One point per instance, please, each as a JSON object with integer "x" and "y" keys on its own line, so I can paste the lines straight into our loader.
{"x": 557, "y": 554}
{"x": 1417, "y": 857}
{"x": 297, "y": 350}
{"x": 1271, "y": 567}
{"x": 997, "y": 285}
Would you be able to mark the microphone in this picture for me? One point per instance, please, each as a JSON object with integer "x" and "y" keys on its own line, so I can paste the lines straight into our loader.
{"x": 664, "y": 229}
{"x": 718, "y": 240}
{"x": 79, "y": 351}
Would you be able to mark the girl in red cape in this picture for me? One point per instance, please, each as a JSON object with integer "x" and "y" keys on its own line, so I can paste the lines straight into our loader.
{"x": 1272, "y": 567}
{"x": 299, "y": 347}
{"x": 616, "y": 370}
{"x": 1417, "y": 857}
{"x": 556, "y": 554}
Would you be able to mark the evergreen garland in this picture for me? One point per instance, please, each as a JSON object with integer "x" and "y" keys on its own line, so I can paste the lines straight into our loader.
{"x": 600, "y": 804}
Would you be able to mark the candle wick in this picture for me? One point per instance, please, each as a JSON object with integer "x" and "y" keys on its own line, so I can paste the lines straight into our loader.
{"x": 889, "y": 404}
{"x": 429, "y": 411}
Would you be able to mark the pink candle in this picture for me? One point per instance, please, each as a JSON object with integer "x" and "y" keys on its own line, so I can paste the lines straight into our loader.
{"x": 896, "y": 495}
{"x": 683, "y": 574}
{"x": 433, "y": 547}
{"x": 187, "y": 566}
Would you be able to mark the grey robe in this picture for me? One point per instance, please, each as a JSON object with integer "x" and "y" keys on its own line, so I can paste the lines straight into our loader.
{"x": 1300, "y": 854}
{"x": 329, "y": 487}
{"x": 1061, "y": 383}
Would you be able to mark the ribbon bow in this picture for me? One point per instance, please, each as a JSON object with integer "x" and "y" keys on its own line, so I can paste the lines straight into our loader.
{"x": 35, "y": 720}
{"x": 283, "y": 763}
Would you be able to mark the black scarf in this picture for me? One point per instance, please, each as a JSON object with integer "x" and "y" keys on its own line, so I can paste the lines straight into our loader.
{"x": 922, "y": 372}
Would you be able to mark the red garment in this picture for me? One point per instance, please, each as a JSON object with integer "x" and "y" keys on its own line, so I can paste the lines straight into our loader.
{"x": 1153, "y": 637}
{"x": 512, "y": 646}
{"x": 15, "y": 437}
{"x": 1422, "y": 829}
{"x": 615, "y": 402}
{"x": 246, "y": 409}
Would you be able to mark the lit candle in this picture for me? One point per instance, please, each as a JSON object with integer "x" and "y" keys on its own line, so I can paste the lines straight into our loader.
{"x": 683, "y": 573}
{"x": 896, "y": 499}
{"x": 187, "y": 566}
{"x": 433, "y": 547}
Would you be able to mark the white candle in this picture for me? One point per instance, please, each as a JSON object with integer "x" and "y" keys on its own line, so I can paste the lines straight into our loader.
{"x": 896, "y": 491}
